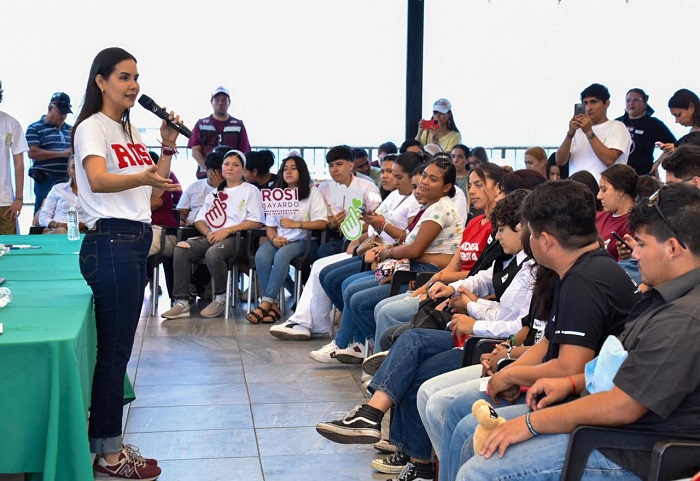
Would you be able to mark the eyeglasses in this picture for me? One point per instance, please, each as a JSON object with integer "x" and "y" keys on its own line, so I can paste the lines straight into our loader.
{"x": 654, "y": 201}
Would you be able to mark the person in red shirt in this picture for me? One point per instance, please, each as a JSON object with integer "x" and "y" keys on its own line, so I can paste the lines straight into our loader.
{"x": 618, "y": 190}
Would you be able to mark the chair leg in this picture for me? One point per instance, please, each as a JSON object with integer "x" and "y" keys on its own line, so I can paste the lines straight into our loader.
{"x": 253, "y": 281}
{"x": 228, "y": 295}
{"x": 332, "y": 333}
{"x": 283, "y": 301}
{"x": 297, "y": 286}
{"x": 154, "y": 292}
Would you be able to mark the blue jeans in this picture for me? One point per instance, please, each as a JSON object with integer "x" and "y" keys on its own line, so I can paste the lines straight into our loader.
{"x": 331, "y": 278}
{"x": 272, "y": 264}
{"x": 41, "y": 190}
{"x": 368, "y": 294}
{"x": 392, "y": 311}
{"x": 330, "y": 248}
{"x": 537, "y": 459}
{"x": 418, "y": 355}
{"x": 460, "y": 425}
{"x": 113, "y": 262}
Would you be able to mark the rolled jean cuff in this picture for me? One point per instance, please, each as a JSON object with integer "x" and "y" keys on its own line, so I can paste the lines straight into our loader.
{"x": 270, "y": 300}
{"x": 112, "y": 444}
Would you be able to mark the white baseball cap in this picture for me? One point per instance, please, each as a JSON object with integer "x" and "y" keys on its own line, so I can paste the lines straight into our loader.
{"x": 442, "y": 105}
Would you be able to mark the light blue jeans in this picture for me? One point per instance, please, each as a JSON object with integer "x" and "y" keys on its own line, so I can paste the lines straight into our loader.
{"x": 392, "y": 311}
{"x": 436, "y": 394}
{"x": 538, "y": 459}
{"x": 272, "y": 264}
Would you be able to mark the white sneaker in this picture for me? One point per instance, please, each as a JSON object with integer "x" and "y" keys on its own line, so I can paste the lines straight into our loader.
{"x": 290, "y": 331}
{"x": 365, "y": 377}
{"x": 180, "y": 309}
{"x": 326, "y": 354}
{"x": 353, "y": 354}
{"x": 214, "y": 309}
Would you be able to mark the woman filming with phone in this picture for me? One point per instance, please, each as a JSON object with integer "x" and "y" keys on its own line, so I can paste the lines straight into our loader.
{"x": 440, "y": 129}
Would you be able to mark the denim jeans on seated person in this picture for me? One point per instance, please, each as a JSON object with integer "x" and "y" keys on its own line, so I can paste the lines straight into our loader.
{"x": 332, "y": 277}
{"x": 540, "y": 458}
{"x": 113, "y": 262}
{"x": 392, "y": 311}
{"x": 272, "y": 264}
{"x": 418, "y": 355}
{"x": 361, "y": 294}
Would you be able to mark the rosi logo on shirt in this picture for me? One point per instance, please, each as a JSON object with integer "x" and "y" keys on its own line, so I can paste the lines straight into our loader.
{"x": 216, "y": 215}
{"x": 131, "y": 155}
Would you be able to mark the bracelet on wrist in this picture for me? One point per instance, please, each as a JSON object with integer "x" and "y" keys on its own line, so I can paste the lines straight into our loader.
{"x": 591, "y": 135}
{"x": 573, "y": 384}
{"x": 571, "y": 136}
{"x": 529, "y": 425}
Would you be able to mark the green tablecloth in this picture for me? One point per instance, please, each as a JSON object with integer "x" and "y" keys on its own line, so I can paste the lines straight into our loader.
{"x": 47, "y": 354}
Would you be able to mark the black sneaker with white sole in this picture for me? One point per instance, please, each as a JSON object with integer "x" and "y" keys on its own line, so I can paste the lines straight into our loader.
{"x": 392, "y": 465}
{"x": 412, "y": 472}
{"x": 362, "y": 425}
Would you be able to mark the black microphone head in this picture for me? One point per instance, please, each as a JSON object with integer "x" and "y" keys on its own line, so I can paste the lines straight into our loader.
{"x": 147, "y": 102}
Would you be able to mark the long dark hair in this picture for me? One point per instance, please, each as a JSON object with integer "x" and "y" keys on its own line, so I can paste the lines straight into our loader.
{"x": 103, "y": 64}
{"x": 231, "y": 153}
{"x": 304, "y": 185}
{"x": 683, "y": 99}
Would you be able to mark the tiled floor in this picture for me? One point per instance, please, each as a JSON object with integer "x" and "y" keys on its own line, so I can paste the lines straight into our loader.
{"x": 222, "y": 400}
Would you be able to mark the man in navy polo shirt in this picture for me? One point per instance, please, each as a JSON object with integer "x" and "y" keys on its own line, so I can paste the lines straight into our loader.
{"x": 49, "y": 147}
{"x": 218, "y": 129}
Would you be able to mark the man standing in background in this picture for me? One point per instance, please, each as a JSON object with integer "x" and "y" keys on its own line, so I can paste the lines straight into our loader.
{"x": 49, "y": 147}
{"x": 11, "y": 202}
{"x": 217, "y": 129}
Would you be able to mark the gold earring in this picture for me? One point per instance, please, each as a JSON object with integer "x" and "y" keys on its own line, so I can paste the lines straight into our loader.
{"x": 103, "y": 90}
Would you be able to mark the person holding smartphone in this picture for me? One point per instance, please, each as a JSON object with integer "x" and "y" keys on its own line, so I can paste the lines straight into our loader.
{"x": 116, "y": 179}
{"x": 443, "y": 131}
{"x": 593, "y": 142}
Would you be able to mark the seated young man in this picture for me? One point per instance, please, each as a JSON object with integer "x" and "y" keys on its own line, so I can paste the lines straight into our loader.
{"x": 656, "y": 388}
{"x": 591, "y": 301}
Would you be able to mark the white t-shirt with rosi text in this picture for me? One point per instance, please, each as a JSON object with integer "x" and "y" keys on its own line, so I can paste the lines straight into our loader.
{"x": 103, "y": 137}
{"x": 310, "y": 209}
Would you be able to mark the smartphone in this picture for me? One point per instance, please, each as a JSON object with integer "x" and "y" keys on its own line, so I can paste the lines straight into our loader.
{"x": 579, "y": 109}
{"x": 431, "y": 124}
{"x": 621, "y": 240}
{"x": 363, "y": 210}
{"x": 2, "y": 280}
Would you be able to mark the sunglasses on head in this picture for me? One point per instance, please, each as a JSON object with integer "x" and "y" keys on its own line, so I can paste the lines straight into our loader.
{"x": 654, "y": 202}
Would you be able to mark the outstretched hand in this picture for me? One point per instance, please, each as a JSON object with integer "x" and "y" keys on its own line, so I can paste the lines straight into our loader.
{"x": 150, "y": 177}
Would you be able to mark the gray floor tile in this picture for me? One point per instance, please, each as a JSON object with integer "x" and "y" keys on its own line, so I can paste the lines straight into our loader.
{"x": 168, "y": 358}
{"x": 190, "y": 395}
{"x": 203, "y": 374}
{"x": 190, "y": 343}
{"x": 297, "y": 373}
{"x": 189, "y": 418}
{"x": 314, "y": 391}
{"x": 306, "y": 441}
{"x": 245, "y": 469}
{"x": 298, "y": 414}
{"x": 230, "y": 443}
{"x": 338, "y": 467}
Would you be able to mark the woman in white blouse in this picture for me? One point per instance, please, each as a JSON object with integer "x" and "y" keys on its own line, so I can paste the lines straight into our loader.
{"x": 54, "y": 213}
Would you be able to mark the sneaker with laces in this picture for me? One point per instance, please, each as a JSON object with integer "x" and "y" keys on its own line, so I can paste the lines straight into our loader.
{"x": 384, "y": 446}
{"x": 353, "y": 354}
{"x": 326, "y": 354}
{"x": 355, "y": 428}
{"x": 134, "y": 451}
{"x": 410, "y": 473}
{"x": 180, "y": 309}
{"x": 392, "y": 465}
{"x": 372, "y": 364}
{"x": 214, "y": 309}
{"x": 290, "y": 331}
{"x": 130, "y": 466}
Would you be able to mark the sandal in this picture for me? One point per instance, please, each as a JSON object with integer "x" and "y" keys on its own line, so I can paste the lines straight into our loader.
{"x": 271, "y": 316}
{"x": 254, "y": 318}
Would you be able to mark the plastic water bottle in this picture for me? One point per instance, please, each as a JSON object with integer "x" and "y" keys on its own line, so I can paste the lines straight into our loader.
{"x": 5, "y": 296}
{"x": 73, "y": 232}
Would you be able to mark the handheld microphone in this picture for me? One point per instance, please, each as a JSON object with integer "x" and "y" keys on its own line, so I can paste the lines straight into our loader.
{"x": 149, "y": 104}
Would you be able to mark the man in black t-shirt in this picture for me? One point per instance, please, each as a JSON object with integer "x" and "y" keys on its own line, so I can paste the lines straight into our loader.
{"x": 656, "y": 387}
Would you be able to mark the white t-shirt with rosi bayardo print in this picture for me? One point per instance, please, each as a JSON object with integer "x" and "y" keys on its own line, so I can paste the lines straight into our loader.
{"x": 231, "y": 206}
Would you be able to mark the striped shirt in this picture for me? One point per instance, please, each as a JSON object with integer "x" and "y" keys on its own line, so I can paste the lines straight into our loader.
{"x": 47, "y": 136}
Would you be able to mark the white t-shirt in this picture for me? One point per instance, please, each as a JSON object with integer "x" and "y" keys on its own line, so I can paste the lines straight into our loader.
{"x": 613, "y": 134}
{"x": 443, "y": 213}
{"x": 310, "y": 209}
{"x": 460, "y": 202}
{"x": 101, "y": 136}
{"x": 232, "y": 206}
{"x": 358, "y": 188}
{"x": 13, "y": 143}
{"x": 396, "y": 209}
{"x": 57, "y": 203}
{"x": 193, "y": 197}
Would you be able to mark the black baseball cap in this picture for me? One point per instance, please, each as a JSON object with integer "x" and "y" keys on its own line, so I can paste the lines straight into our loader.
{"x": 61, "y": 101}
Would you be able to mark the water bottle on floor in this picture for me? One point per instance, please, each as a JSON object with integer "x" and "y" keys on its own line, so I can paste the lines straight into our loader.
{"x": 73, "y": 231}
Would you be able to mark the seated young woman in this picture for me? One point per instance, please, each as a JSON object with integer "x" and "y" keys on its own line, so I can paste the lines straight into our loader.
{"x": 421, "y": 354}
{"x": 429, "y": 246}
{"x": 233, "y": 206}
{"x": 286, "y": 237}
